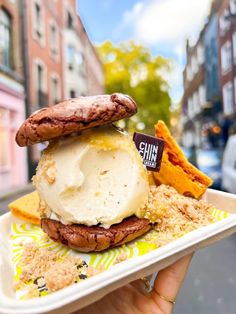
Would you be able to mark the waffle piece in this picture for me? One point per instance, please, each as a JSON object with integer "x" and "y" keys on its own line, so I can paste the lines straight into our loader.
{"x": 26, "y": 208}
{"x": 176, "y": 170}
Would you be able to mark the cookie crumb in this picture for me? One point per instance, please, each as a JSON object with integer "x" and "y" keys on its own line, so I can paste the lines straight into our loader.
{"x": 48, "y": 270}
{"x": 173, "y": 214}
{"x": 94, "y": 271}
{"x": 45, "y": 238}
{"x": 121, "y": 258}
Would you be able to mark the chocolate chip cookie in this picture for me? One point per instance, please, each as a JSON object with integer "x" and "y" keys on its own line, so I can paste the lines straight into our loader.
{"x": 74, "y": 115}
{"x": 95, "y": 238}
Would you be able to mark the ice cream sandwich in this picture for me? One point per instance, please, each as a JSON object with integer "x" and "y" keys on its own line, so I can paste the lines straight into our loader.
{"x": 90, "y": 179}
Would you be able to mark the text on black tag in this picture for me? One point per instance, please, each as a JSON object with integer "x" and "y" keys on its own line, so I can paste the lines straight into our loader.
{"x": 151, "y": 149}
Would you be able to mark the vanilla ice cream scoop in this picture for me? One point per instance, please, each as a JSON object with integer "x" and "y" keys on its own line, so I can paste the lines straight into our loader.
{"x": 96, "y": 177}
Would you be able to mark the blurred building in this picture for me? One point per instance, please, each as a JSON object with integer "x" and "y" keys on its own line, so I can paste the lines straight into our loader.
{"x": 212, "y": 67}
{"x": 75, "y": 74}
{"x": 227, "y": 50}
{"x": 94, "y": 67}
{"x": 83, "y": 70}
{"x": 212, "y": 112}
{"x": 13, "y": 165}
{"x": 42, "y": 25}
{"x": 57, "y": 61}
{"x": 194, "y": 98}
{"x": 204, "y": 112}
{"x": 45, "y": 57}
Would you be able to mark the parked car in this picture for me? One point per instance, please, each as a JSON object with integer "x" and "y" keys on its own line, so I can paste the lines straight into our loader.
{"x": 229, "y": 166}
{"x": 209, "y": 161}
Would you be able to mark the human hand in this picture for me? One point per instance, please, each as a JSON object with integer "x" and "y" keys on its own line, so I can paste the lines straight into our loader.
{"x": 134, "y": 298}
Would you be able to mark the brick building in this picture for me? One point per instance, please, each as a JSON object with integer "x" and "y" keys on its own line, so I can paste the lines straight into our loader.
{"x": 94, "y": 67}
{"x": 43, "y": 55}
{"x": 212, "y": 69}
{"x": 13, "y": 165}
{"x": 227, "y": 52}
{"x": 43, "y": 52}
{"x": 202, "y": 101}
{"x": 194, "y": 98}
{"x": 60, "y": 62}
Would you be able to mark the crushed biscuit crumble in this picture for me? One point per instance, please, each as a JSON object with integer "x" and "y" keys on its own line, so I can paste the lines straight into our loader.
{"x": 49, "y": 270}
{"x": 173, "y": 214}
{"x": 121, "y": 258}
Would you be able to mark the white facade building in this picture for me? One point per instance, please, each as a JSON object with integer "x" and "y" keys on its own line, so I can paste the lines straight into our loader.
{"x": 75, "y": 76}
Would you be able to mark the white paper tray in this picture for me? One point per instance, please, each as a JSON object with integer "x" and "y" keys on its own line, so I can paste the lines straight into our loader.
{"x": 86, "y": 292}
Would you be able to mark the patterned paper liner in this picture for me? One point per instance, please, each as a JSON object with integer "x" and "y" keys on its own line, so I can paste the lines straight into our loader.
{"x": 26, "y": 232}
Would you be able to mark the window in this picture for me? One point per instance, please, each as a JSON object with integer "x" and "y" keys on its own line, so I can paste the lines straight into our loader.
{"x": 79, "y": 58}
{"x": 72, "y": 94}
{"x": 54, "y": 40}
{"x": 200, "y": 54}
{"x": 38, "y": 15}
{"x": 226, "y": 57}
{"x": 55, "y": 92}
{"x": 70, "y": 52}
{"x": 196, "y": 107}
{"x": 202, "y": 95}
{"x": 70, "y": 23}
{"x": 40, "y": 77}
{"x": 224, "y": 22}
{"x": 228, "y": 98}
{"x": 234, "y": 46}
{"x": 189, "y": 73}
{"x": 214, "y": 80}
{"x": 232, "y": 6}
{"x": 235, "y": 90}
{"x": 194, "y": 65}
{"x": 40, "y": 84}
{"x": 5, "y": 39}
{"x": 38, "y": 22}
{"x": 190, "y": 107}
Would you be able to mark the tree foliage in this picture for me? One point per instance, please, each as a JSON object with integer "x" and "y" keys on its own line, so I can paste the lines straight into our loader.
{"x": 131, "y": 69}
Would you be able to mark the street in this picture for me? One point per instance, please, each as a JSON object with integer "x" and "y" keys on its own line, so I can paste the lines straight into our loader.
{"x": 211, "y": 282}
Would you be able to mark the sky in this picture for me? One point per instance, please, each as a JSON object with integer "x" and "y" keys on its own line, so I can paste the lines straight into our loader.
{"x": 160, "y": 25}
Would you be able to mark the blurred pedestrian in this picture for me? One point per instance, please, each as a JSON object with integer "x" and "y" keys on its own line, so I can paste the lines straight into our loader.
{"x": 225, "y": 130}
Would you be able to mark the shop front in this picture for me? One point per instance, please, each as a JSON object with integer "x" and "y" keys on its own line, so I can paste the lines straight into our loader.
{"x": 13, "y": 159}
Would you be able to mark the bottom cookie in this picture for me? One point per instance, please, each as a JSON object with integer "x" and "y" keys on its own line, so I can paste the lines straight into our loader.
{"x": 87, "y": 239}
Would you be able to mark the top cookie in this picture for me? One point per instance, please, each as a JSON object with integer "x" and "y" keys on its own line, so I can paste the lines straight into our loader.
{"x": 74, "y": 115}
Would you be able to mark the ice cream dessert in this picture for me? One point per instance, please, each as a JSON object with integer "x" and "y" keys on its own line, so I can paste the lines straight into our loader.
{"x": 94, "y": 178}
{"x": 92, "y": 186}
{"x": 90, "y": 179}
{"x": 93, "y": 193}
